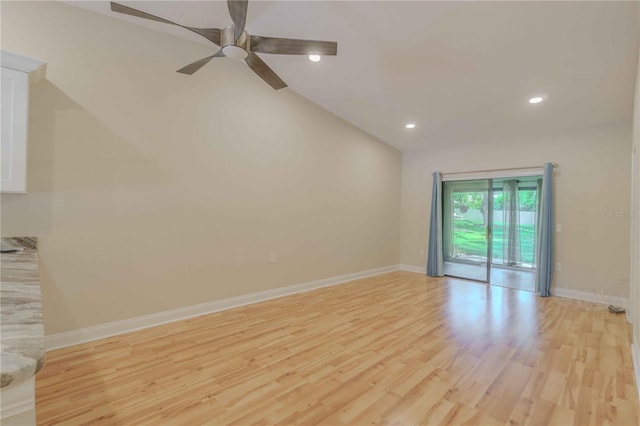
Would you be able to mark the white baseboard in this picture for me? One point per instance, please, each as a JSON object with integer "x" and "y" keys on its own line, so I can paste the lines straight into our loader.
{"x": 83, "y": 335}
{"x": 18, "y": 403}
{"x": 413, "y": 268}
{"x": 635, "y": 354}
{"x": 590, "y": 297}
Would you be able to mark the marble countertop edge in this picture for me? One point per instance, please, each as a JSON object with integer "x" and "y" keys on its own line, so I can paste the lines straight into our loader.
{"x": 21, "y": 323}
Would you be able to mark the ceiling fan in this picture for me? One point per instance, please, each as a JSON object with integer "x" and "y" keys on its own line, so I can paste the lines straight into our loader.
{"x": 236, "y": 43}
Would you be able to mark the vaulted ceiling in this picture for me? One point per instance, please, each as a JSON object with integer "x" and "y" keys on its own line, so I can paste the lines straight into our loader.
{"x": 459, "y": 70}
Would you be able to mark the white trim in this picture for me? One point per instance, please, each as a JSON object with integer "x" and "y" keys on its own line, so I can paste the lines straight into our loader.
{"x": 34, "y": 67}
{"x": 492, "y": 175}
{"x": 635, "y": 355}
{"x": 590, "y": 297}
{"x": 74, "y": 337}
{"x": 413, "y": 268}
{"x": 18, "y": 400}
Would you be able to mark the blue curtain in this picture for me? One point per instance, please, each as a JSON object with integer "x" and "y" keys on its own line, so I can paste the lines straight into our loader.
{"x": 435, "y": 262}
{"x": 545, "y": 234}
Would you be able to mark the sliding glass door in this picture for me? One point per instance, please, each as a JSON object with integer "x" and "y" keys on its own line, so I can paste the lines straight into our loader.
{"x": 514, "y": 229}
{"x": 466, "y": 228}
{"x": 490, "y": 229}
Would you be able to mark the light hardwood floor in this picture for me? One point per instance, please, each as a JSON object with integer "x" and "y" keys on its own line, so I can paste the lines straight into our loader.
{"x": 519, "y": 279}
{"x": 397, "y": 349}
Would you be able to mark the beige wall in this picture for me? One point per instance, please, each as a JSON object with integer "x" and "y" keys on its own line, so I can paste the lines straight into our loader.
{"x": 634, "y": 291}
{"x": 151, "y": 190}
{"x": 593, "y": 176}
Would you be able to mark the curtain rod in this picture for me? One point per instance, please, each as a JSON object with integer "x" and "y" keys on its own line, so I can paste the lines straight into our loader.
{"x": 555, "y": 165}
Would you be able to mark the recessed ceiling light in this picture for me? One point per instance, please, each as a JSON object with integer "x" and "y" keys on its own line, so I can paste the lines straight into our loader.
{"x": 314, "y": 58}
{"x": 410, "y": 125}
{"x": 536, "y": 100}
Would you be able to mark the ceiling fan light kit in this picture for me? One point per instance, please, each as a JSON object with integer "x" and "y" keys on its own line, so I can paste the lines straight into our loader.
{"x": 232, "y": 48}
{"x": 237, "y": 44}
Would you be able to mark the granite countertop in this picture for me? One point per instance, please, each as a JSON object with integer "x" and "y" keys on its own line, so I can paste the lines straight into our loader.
{"x": 22, "y": 338}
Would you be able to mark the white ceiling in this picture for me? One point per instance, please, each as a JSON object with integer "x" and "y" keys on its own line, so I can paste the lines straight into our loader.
{"x": 459, "y": 70}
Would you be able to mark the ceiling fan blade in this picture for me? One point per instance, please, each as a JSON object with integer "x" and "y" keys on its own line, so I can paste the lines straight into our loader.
{"x": 265, "y": 73}
{"x": 238, "y": 12}
{"x": 290, "y": 46}
{"x": 211, "y": 34}
{"x": 195, "y": 66}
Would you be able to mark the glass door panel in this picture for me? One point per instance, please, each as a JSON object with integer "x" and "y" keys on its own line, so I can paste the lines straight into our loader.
{"x": 514, "y": 230}
{"x": 466, "y": 231}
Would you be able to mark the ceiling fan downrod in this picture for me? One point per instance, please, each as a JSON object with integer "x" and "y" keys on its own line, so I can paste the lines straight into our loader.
{"x": 235, "y": 49}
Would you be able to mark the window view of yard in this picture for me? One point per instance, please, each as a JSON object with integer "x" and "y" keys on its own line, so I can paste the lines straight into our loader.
{"x": 469, "y": 239}
{"x": 470, "y": 220}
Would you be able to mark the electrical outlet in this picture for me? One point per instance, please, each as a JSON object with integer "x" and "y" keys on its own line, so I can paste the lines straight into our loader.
{"x": 422, "y": 253}
{"x": 272, "y": 258}
{"x": 558, "y": 227}
{"x": 558, "y": 266}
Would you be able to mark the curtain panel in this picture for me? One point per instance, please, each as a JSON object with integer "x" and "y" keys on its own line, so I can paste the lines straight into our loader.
{"x": 544, "y": 255}
{"x": 435, "y": 261}
{"x": 511, "y": 249}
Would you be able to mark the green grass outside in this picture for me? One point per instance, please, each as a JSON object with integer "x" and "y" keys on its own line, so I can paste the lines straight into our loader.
{"x": 469, "y": 239}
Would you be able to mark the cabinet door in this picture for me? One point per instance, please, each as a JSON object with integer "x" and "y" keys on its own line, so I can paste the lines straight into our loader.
{"x": 14, "y": 93}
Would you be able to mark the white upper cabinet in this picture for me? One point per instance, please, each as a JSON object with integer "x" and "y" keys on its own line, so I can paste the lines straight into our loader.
{"x": 16, "y": 73}
{"x": 15, "y": 97}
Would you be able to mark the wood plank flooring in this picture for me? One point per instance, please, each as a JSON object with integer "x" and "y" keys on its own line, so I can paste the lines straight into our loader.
{"x": 395, "y": 349}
